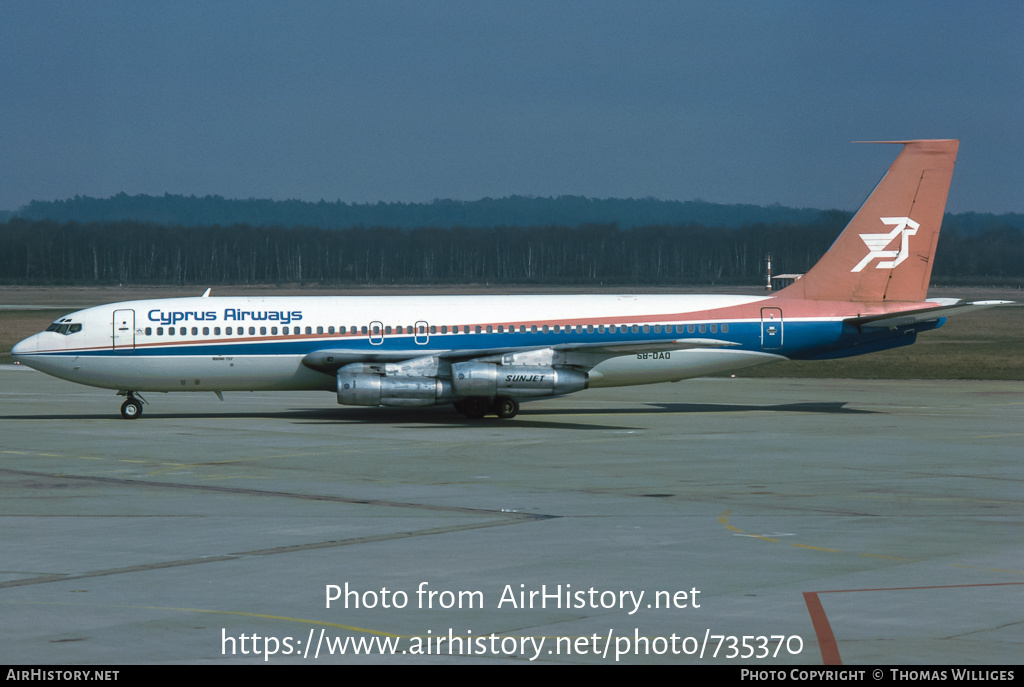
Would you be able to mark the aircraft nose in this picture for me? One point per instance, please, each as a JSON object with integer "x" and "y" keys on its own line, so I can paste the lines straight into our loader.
{"x": 29, "y": 345}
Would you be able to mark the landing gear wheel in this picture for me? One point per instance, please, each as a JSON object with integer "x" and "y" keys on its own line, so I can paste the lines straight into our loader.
{"x": 473, "y": 408}
{"x": 131, "y": 409}
{"x": 506, "y": 407}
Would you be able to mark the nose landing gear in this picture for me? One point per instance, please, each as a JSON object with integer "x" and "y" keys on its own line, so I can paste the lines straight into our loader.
{"x": 131, "y": 409}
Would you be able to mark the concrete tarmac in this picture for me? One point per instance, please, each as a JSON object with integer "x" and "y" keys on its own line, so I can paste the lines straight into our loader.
{"x": 751, "y": 523}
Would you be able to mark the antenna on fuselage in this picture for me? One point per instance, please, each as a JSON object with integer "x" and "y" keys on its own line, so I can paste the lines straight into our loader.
{"x": 206, "y": 294}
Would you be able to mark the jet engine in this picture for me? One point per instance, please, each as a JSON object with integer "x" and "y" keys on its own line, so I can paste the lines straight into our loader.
{"x": 361, "y": 388}
{"x": 516, "y": 381}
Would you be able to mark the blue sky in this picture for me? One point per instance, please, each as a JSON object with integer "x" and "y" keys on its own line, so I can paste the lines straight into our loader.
{"x": 733, "y": 102}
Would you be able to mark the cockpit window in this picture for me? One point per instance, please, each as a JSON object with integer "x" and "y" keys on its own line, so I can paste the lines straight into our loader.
{"x": 65, "y": 328}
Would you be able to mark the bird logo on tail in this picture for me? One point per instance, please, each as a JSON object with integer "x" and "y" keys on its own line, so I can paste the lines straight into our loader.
{"x": 904, "y": 227}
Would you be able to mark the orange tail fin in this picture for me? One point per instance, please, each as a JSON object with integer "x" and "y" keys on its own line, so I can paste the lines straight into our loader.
{"x": 886, "y": 251}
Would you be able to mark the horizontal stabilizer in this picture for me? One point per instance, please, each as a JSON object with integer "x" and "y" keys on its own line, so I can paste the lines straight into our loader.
{"x": 944, "y": 308}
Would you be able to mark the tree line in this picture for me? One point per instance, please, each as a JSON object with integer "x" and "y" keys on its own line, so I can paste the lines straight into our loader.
{"x": 127, "y": 252}
{"x": 511, "y": 211}
{"x": 521, "y": 211}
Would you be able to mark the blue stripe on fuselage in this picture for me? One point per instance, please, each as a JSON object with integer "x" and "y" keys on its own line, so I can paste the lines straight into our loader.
{"x": 800, "y": 339}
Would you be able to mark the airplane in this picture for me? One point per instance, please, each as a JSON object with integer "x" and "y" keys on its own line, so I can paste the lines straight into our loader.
{"x": 487, "y": 353}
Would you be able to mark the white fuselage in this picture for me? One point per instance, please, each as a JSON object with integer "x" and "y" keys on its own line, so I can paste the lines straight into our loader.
{"x": 223, "y": 344}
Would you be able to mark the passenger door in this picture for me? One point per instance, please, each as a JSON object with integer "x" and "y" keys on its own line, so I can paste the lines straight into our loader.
{"x": 771, "y": 328}
{"x": 123, "y": 328}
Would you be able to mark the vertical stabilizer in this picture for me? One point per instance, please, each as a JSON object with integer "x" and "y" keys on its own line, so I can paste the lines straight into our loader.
{"x": 886, "y": 251}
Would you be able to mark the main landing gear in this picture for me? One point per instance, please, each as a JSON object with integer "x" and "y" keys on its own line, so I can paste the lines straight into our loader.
{"x": 476, "y": 408}
{"x": 132, "y": 407}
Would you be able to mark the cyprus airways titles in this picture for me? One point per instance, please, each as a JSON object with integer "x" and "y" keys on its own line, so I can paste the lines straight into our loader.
{"x": 485, "y": 354}
{"x": 228, "y": 315}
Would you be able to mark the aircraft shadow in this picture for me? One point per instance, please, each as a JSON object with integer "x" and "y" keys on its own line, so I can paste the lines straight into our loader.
{"x": 830, "y": 407}
{"x": 444, "y": 417}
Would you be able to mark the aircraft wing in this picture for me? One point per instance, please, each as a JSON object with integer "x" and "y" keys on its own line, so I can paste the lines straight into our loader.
{"x": 943, "y": 308}
{"x": 630, "y": 347}
{"x": 331, "y": 360}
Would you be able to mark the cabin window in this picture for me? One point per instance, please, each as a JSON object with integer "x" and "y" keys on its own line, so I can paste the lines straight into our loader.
{"x": 690, "y": 329}
{"x": 252, "y": 331}
{"x": 149, "y": 331}
{"x": 444, "y": 329}
{"x": 714, "y": 329}
{"x": 319, "y": 330}
{"x": 702, "y": 328}
{"x": 216, "y": 331}
{"x": 725, "y": 329}
{"x": 206, "y": 331}
{"x": 263, "y": 331}
{"x": 273, "y": 330}
{"x": 387, "y": 329}
{"x": 195, "y": 331}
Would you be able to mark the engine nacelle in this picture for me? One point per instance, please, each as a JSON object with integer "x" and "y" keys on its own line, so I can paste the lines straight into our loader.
{"x": 517, "y": 381}
{"x": 356, "y": 388}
